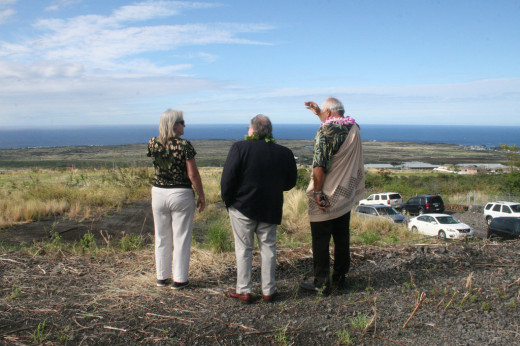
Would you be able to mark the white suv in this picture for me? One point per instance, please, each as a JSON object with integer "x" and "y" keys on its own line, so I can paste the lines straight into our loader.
{"x": 392, "y": 199}
{"x": 502, "y": 209}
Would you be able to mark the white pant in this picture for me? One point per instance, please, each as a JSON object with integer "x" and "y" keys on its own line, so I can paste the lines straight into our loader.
{"x": 244, "y": 230}
{"x": 173, "y": 211}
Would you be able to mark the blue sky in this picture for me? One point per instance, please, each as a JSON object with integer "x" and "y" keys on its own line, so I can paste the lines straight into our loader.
{"x": 97, "y": 62}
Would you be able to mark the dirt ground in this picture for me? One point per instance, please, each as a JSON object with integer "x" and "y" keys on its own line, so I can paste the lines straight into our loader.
{"x": 453, "y": 293}
{"x": 134, "y": 218}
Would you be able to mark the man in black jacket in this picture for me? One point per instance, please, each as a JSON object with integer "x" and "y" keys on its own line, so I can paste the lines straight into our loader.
{"x": 256, "y": 173}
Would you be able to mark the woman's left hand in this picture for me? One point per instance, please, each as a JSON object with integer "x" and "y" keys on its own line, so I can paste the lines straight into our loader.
{"x": 201, "y": 204}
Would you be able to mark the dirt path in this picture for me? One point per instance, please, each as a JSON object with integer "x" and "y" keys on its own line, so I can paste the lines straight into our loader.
{"x": 446, "y": 293}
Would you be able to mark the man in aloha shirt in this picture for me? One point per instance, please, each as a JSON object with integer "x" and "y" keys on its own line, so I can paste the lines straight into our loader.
{"x": 337, "y": 181}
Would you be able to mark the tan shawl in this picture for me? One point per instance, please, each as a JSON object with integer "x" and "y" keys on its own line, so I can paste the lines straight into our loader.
{"x": 344, "y": 182}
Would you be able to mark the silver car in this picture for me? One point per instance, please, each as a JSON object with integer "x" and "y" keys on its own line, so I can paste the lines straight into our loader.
{"x": 382, "y": 211}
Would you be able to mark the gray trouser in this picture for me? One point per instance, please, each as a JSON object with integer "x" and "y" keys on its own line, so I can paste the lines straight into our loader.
{"x": 244, "y": 230}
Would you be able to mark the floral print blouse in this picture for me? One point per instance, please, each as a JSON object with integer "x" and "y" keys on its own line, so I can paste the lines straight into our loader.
{"x": 328, "y": 140}
{"x": 169, "y": 162}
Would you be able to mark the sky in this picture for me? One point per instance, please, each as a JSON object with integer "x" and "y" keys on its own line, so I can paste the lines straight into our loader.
{"x": 73, "y": 63}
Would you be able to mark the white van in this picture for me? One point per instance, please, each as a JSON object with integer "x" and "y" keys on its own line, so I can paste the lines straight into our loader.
{"x": 392, "y": 199}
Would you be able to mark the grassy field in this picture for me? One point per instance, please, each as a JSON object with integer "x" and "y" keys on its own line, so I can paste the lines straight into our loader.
{"x": 33, "y": 195}
{"x": 213, "y": 153}
{"x": 85, "y": 182}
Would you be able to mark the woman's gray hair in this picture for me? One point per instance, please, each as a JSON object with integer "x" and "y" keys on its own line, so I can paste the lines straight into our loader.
{"x": 168, "y": 120}
{"x": 334, "y": 105}
{"x": 261, "y": 126}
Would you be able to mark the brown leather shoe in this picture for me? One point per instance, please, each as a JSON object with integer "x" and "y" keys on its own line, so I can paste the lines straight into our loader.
{"x": 245, "y": 297}
{"x": 268, "y": 299}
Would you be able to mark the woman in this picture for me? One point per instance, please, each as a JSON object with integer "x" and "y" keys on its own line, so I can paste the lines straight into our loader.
{"x": 173, "y": 199}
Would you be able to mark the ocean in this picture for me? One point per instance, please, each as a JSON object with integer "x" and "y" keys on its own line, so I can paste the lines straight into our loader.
{"x": 489, "y": 136}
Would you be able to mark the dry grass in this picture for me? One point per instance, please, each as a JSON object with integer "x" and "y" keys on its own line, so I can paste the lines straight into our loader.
{"x": 32, "y": 195}
{"x": 206, "y": 267}
{"x": 211, "y": 180}
{"x": 14, "y": 208}
{"x": 378, "y": 231}
{"x": 295, "y": 220}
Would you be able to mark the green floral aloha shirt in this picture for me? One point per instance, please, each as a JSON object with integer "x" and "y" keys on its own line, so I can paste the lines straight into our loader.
{"x": 328, "y": 140}
{"x": 169, "y": 162}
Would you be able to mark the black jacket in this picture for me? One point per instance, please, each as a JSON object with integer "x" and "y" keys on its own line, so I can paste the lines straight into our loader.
{"x": 255, "y": 175}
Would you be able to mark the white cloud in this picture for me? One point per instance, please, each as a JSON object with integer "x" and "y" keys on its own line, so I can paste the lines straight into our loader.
{"x": 8, "y": 49}
{"x": 101, "y": 45}
{"x": 113, "y": 98}
{"x": 99, "y": 63}
{"x": 207, "y": 57}
{"x": 5, "y": 14}
{"x": 440, "y": 92}
{"x": 58, "y": 4}
{"x": 41, "y": 69}
{"x": 106, "y": 42}
{"x": 155, "y": 9}
{"x": 4, "y": 3}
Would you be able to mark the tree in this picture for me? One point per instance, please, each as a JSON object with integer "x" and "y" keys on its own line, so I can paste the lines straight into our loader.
{"x": 513, "y": 154}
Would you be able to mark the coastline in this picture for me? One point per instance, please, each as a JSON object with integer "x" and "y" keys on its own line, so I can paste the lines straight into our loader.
{"x": 213, "y": 153}
{"x": 489, "y": 136}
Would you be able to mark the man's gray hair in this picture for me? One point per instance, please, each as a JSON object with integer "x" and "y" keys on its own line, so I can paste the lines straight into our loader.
{"x": 334, "y": 105}
{"x": 262, "y": 126}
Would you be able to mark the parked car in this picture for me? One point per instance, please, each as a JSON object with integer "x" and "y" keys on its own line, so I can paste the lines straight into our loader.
{"x": 504, "y": 227}
{"x": 501, "y": 209}
{"x": 441, "y": 225}
{"x": 378, "y": 210}
{"x": 392, "y": 199}
{"x": 423, "y": 205}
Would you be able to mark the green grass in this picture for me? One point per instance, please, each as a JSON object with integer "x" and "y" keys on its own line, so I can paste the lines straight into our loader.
{"x": 344, "y": 337}
{"x": 16, "y": 292}
{"x": 40, "y": 334}
{"x": 280, "y": 335}
{"x": 359, "y": 322}
{"x": 219, "y": 237}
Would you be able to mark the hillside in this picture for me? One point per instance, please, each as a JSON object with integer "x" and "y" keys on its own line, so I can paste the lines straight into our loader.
{"x": 422, "y": 294}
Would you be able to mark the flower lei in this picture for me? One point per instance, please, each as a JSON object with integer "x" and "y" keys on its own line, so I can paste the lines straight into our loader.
{"x": 267, "y": 139}
{"x": 339, "y": 121}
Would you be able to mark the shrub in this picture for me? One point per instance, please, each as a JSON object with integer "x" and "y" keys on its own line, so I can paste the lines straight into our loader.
{"x": 303, "y": 178}
{"x": 131, "y": 243}
{"x": 218, "y": 239}
{"x": 88, "y": 240}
